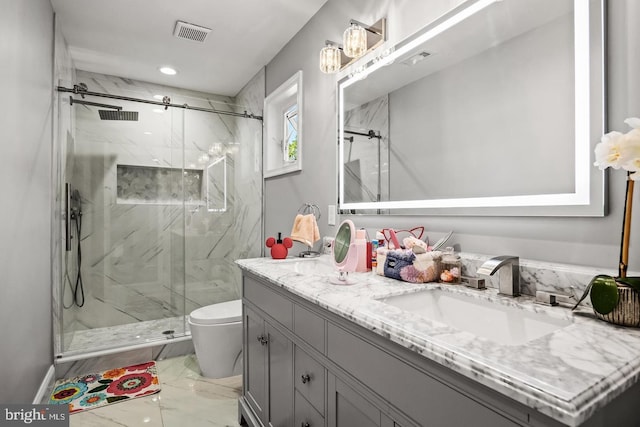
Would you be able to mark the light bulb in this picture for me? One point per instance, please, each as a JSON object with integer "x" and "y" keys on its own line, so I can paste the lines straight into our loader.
{"x": 330, "y": 59}
{"x": 355, "y": 41}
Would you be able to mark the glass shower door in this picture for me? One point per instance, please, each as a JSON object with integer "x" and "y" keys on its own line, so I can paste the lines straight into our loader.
{"x": 129, "y": 178}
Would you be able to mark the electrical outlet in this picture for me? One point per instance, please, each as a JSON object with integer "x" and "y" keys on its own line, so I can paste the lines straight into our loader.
{"x": 331, "y": 215}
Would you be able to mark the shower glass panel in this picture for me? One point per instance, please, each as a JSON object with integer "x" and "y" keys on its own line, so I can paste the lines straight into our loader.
{"x": 154, "y": 224}
{"x": 130, "y": 179}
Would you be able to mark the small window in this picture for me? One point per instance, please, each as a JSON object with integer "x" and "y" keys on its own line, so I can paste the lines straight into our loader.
{"x": 283, "y": 128}
{"x": 290, "y": 147}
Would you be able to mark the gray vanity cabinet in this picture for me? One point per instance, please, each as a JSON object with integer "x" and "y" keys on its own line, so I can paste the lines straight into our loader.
{"x": 348, "y": 408}
{"x": 255, "y": 375}
{"x": 307, "y": 367}
{"x": 268, "y": 381}
{"x": 310, "y": 381}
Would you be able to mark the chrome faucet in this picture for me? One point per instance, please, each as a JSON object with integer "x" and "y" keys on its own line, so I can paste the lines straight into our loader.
{"x": 509, "y": 278}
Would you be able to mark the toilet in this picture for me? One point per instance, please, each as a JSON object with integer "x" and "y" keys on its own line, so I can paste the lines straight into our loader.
{"x": 216, "y": 331}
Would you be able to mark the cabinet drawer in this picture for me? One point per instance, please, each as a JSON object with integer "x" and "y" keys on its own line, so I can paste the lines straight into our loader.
{"x": 422, "y": 397}
{"x": 305, "y": 414}
{"x": 269, "y": 301}
{"x": 309, "y": 379}
{"x": 309, "y": 327}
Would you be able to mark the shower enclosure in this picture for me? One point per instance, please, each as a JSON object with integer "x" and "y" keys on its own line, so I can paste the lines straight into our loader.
{"x": 160, "y": 198}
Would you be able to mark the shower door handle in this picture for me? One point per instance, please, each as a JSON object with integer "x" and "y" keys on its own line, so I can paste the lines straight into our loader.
{"x": 67, "y": 216}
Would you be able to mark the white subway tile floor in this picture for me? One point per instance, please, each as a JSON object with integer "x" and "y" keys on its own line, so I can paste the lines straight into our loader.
{"x": 186, "y": 400}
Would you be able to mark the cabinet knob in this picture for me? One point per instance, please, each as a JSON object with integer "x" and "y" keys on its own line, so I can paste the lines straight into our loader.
{"x": 305, "y": 425}
{"x": 306, "y": 378}
{"x": 262, "y": 340}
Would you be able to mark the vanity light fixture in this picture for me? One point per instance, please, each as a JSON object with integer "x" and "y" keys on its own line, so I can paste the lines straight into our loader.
{"x": 358, "y": 39}
{"x": 354, "y": 40}
{"x": 330, "y": 58}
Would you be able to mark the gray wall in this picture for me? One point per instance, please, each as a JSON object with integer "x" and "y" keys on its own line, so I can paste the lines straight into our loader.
{"x": 583, "y": 241}
{"x": 26, "y": 49}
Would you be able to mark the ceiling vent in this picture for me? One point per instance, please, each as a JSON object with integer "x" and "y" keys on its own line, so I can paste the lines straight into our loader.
{"x": 413, "y": 60}
{"x": 187, "y": 31}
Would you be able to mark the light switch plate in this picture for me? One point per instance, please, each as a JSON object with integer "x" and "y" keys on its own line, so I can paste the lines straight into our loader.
{"x": 331, "y": 215}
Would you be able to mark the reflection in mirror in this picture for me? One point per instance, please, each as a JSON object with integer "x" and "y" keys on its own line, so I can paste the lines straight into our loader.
{"x": 217, "y": 185}
{"x": 366, "y": 152}
{"x": 493, "y": 109}
{"x": 344, "y": 253}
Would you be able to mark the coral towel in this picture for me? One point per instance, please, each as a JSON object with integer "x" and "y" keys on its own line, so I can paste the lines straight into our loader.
{"x": 305, "y": 229}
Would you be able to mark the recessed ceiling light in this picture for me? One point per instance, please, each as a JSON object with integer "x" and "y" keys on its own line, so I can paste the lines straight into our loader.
{"x": 147, "y": 133}
{"x": 168, "y": 71}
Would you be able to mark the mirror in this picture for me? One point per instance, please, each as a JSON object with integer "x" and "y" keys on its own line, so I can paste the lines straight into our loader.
{"x": 344, "y": 252}
{"x": 217, "y": 185}
{"x": 283, "y": 128}
{"x": 492, "y": 109}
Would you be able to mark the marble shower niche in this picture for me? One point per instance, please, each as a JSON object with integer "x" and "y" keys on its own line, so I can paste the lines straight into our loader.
{"x": 168, "y": 202}
{"x": 157, "y": 185}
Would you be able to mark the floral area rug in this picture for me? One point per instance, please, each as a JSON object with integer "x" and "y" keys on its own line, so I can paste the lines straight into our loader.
{"x": 103, "y": 388}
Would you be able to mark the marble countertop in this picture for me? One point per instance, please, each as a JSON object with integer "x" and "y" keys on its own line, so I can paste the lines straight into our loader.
{"x": 567, "y": 374}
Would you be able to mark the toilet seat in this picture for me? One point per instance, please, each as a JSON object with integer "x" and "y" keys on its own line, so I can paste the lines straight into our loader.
{"x": 224, "y": 312}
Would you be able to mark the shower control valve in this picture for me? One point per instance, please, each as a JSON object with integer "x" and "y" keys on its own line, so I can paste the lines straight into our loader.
{"x": 262, "y": 340}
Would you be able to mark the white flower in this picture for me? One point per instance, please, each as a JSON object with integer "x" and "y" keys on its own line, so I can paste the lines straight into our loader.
{"x": 608, "y": 151}
{"x": 618, "y": 150}
{"x": 630, "y": 153}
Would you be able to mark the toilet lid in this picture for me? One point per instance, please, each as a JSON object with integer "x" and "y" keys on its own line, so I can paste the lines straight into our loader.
{"x": 224, "y": 312}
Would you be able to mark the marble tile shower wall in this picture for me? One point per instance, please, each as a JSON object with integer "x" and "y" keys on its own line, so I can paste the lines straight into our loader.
{"x": 247, "y": 227}
{"x": 147, "y": 261}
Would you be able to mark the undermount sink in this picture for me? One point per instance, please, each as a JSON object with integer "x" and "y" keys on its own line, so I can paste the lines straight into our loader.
{"x": 491, "y": 320}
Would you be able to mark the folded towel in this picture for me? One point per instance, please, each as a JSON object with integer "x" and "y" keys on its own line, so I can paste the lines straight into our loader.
{"x": 305, "y": 229}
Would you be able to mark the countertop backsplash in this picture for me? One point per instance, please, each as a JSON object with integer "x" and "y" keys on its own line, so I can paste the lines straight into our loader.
{"x": 562, "y": 279}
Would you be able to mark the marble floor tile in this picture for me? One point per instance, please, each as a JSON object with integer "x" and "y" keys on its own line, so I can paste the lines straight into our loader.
{"x": 186, "y": 399}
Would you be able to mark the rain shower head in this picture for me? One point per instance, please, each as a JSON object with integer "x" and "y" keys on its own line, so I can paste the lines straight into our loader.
{"x": 118, "y": 115}
{"x": 115, "y": 114}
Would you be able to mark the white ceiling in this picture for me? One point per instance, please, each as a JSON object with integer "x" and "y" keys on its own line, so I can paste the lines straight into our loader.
{"x": 133, "y": 38}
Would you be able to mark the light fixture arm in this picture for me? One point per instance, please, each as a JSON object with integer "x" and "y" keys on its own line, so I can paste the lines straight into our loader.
{"x": 371, "y": 28}
{"x": 345, "y": 60}
{"x": 373, "y": 35}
